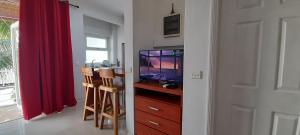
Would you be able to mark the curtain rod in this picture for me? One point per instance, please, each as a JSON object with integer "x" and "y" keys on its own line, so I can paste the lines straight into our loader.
{"x": 72, "y": 5}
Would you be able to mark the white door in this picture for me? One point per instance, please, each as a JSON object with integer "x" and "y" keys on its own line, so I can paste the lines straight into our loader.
{"x": 258, "y": 76}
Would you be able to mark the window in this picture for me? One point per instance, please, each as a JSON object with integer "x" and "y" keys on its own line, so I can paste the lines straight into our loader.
{"x": 96, "y": 42}
{"x": 97, "y": 49}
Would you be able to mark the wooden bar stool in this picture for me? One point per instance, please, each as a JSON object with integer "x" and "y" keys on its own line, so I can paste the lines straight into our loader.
{"x": 92, "y": 94}
{"x": 107, "y": 86}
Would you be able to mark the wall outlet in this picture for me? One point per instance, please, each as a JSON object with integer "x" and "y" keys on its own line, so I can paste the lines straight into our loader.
{"x": 197, "y": 75}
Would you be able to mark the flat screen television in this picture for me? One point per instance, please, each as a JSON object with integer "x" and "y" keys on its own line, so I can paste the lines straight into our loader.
{"x": 161, "y": 65}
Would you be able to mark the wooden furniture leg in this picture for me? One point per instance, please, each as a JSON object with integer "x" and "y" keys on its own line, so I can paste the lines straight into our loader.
{"x": 85, "y": 113}
{"x": 110, "y": 100}
{"x": 102, "y": 110}
{"x": 96, "y": 107}
{"x": 116, "y": 112}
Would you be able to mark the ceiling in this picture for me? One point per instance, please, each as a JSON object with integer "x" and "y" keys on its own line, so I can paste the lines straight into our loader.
{"x": 113, "y": 6}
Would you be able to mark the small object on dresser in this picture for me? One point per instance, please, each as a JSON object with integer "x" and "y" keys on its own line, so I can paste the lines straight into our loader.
{"x": 171, "y": 84}
{"x": 118, "y": 63}
{"x": 106, "y": 63}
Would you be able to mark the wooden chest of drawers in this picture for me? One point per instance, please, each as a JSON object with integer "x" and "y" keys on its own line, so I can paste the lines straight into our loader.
{"x": 144, "y": 130}
{"x": 157, "y": 110}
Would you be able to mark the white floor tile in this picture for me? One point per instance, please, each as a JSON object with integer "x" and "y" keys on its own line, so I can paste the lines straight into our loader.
{"x": 68, "y": 122}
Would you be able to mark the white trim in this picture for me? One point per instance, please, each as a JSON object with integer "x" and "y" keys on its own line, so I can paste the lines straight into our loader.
{"x": 215, "y": 17}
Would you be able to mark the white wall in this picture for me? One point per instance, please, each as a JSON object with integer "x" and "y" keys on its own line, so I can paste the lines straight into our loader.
{"x": 121, "y": 39}
{"x": 114, "y": 44}
{"x": 162, "y": 9}
{"x": 143, "y": 30}
{"x": 78, "y": 42}
{"x": 128, "y": 30}
{"x": 97, "y": 27}
{"x": 78, "y": 36}
{"x": 148, "y": 26}
{"x": 94, "y": 11}
{"x": 196, "y": 59}
{"x": 149, "y": 14}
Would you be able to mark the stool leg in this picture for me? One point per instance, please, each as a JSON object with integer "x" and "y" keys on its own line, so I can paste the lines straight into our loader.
{"x": 85, "y": 103}
{"x": 116, "y": 112}
{"x": 102, "y": 110}
{"x": 96, "y": 107}
{"x": 110, "y": 100}
{"x": 100, "y": 100}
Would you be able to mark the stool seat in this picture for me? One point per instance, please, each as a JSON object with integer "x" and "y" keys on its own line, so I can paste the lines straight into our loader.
{"x": 96, "y": 83}
{"x": 111, "y": 89}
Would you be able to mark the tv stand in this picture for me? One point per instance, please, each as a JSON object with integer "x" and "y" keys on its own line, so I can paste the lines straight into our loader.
{"x": 158, "y": 110}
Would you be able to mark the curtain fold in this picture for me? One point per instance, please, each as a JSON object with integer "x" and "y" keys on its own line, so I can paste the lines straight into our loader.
{"x": 45, "y": 57}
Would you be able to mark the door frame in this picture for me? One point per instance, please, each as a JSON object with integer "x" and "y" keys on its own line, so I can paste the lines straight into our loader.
{"x": 215, "y": 34}
{"x": 15, "y": 46}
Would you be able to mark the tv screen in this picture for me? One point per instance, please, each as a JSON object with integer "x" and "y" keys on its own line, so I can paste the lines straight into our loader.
{"x": 161, "y": 65}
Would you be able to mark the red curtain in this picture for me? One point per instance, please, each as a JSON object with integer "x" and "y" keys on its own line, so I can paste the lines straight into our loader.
{"x": 45, "y": 57}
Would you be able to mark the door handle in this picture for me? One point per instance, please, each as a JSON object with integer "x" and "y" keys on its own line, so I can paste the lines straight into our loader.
{"x": 153, "y": 123}
{"x": 153, "y": 108}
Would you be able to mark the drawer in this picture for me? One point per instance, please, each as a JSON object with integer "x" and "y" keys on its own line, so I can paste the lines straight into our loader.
{"x": 140, "y": 129}
{"x": 162, "y": 109}
{"x": 163, "y": 125}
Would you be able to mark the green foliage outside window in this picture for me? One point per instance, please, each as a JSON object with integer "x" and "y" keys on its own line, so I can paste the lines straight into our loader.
{"x": 5, "y": 46}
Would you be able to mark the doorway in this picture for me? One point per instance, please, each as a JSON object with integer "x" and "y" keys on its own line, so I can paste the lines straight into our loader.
{"x": 10, "y": 105}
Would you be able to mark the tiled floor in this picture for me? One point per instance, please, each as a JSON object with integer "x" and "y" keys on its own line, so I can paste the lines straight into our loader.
{"x": 68, "y": 122}
{"x": 9, "y": 113}
{"x": 8, "y": 108}
{"x": 6, "y": 96}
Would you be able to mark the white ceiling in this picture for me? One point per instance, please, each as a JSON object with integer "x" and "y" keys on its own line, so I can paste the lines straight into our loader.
{"x": 113, "y": 6}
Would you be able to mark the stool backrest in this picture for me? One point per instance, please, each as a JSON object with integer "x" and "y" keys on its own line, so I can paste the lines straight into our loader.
{"x": 87, "y": 75}
{"x": 107, "y": 75}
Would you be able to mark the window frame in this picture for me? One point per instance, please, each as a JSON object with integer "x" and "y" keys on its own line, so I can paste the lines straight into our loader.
{"x": 108, "y": 48}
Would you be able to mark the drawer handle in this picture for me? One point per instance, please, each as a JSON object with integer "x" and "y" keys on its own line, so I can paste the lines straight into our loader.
{"x": 154, "y": 123}
{"x": 153, "y": 108}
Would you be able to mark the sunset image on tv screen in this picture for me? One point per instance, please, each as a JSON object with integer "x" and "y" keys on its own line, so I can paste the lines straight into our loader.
{"x": 161, "y": 65}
